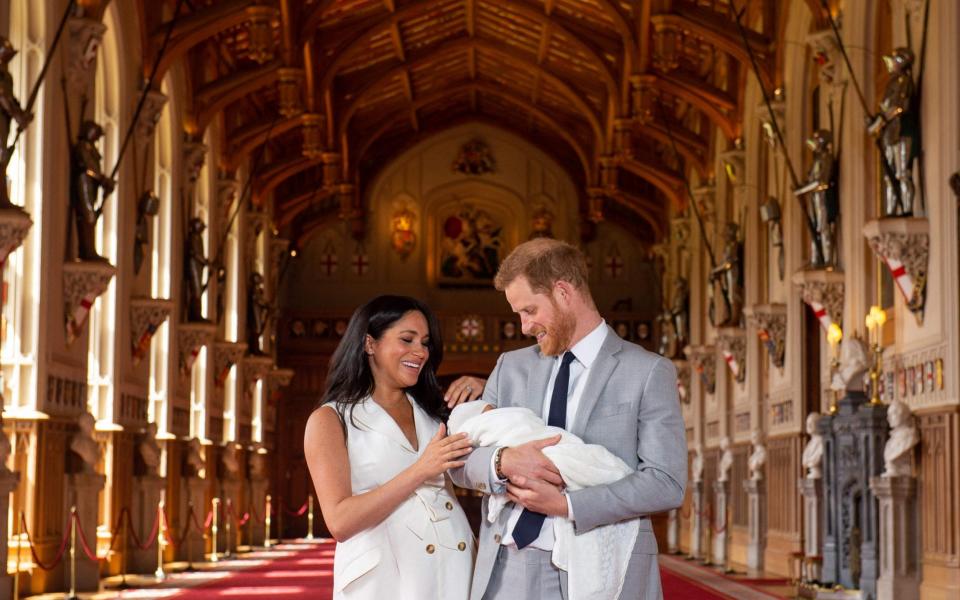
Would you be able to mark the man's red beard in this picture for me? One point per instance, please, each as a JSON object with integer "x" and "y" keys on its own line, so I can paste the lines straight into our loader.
{"x": 559, "y": 333}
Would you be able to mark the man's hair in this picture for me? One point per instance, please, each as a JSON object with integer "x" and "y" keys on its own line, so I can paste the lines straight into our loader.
{"x": 544, "y": 261}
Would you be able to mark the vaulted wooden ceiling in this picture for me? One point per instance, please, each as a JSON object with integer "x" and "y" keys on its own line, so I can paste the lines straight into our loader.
{"x": 321, "y": 94}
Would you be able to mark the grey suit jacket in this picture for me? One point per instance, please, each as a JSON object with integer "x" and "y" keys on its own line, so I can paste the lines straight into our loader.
{"x": 629, "y": 405}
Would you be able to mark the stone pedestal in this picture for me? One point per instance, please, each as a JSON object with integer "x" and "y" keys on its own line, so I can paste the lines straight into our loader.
{"x": 673, "y": 531}
{"x": 8, "y": 482}
{"x": 757, "y": 521}
{"x": 258, "y": 501}
{"x": 696, "y": 527}
{"x": 147, "y": 491}
{"x": 853, "y": 453}
{"x": 192, "y": 496}
{"x": 720, "y": 533}
{"x": 899, "y": 538}
{"x": 83, "y": 491}
{"x": 229, "y": 516}
{"x": 811, "y": 491}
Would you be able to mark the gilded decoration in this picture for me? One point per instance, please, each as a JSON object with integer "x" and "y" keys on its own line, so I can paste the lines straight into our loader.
{"x": 83, "y": 282}
{"x": 903, "y": 243}
{"x": 403, "y": 238}
{"x": 703, "y": 359}
{"x": 470, "y": 244}
{"x": 84, "y": 39}
{"x": 822, "y": 291}
{"x": 771, "y": 323}
{"x": 733, "y": 349}
{"x": 474, "y": 158}
{"x": 146, "y": 316}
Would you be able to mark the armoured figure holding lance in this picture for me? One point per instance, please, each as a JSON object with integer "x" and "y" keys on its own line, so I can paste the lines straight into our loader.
{"x": 10, "y": 111}
{"x": 729, "y": 273}
{"x": 680, "y": 312}
{"x": 897, "y": 128}
{"x": 258, "y": 311}
{"x": 196, "y": 263}
{"x": 821, "y": 186}
{"x": 87, "y": 179}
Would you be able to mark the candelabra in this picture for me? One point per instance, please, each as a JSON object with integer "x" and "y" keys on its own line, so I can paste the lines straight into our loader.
{"x": 874, "y": 321}
{"x": 834, "y": 335}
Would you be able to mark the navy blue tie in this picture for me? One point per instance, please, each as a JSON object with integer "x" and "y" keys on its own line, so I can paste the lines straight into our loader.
{"x": 528, "y": 525}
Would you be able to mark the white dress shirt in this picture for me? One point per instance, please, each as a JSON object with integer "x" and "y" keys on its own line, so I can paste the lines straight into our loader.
{"x": 585, "y": 351}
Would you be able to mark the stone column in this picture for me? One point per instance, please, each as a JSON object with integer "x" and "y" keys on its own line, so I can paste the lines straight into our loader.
{"x": 8, "y": 482}
{"x": 899, "y": 537}
{"x": 810, "y": 489}
{"x": 720, "y": 533}
{"x": 192, "y": 497}
{"x": 757, "y": 520}
{"x": 696, "y": 529}
{"x": 673, "y": 531}
{"x": 83, "y": 491}
{"x": 147, "y": 491}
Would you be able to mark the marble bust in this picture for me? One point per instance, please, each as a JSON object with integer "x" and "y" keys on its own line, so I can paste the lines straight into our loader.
{"x": 903, "y": 437}
{"x": 758, "y": 458}
{"x": 726, "y": 460}
{"x": 149, "y": 449}
{"x": 854, "y": 362}
{"x": 194, "y": 459}
{"x": 84, "y": 445}
{"x": 813, "y": 452}
{"x": 696, "y": 464}
{"x": 258, "y": 462}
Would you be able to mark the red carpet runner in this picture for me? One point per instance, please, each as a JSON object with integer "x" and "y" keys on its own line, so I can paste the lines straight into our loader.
{"x": 307, "y": 572}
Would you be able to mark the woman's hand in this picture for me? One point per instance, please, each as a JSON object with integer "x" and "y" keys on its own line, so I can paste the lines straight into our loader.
{"x": 464, "y": 389}
{"x": 442, "y": 453}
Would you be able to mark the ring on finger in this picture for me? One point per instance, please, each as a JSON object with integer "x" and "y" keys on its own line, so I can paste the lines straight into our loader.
{"x": 469, "y": 389}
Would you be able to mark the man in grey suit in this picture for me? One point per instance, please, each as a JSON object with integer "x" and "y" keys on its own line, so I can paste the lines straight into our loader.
{"x": 581, "y": 376}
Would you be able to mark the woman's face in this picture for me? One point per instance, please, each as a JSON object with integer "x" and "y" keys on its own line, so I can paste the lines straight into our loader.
{"x": 397, "y": 358}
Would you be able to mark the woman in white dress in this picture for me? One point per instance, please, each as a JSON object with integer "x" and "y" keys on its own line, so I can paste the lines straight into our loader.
{"x": 378, "y": 455}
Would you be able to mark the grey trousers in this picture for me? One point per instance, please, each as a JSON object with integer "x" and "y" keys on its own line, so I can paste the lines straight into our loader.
{"x": 528, "y": 574}
{"x": 525, "y": 574}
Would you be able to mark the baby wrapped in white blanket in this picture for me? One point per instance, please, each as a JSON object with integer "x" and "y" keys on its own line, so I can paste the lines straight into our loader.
{"x": 596, "y": 561}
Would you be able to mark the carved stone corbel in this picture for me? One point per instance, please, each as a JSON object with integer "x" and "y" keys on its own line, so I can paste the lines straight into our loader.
{"x": 260, "y": 32}
{"x": 256, "y": 368}
{"x": 705, "y": 196}
{"x": 771, "y": 323}
{"x": 289, "y": 86}
{"x": 331, "y": 168}
{"x": 735, "y": 164}
{"x": 256, "y": 221}
{"x": 225, "y": 355}
{"x": 623, "y": 137}
{"x": 190, "y": 338}
{"x": 146, "y": 315}
{"x": 732, "y": 344}
{"x": 822, "y": 291}
{"x": 84, "y": 37}
{"x": 228, "y": 190}
{"x": 903, "y": 243}
{"x": 279, "y": 378}
{"x": 279, "y": 247}
{"x": 15, "y": 224}
{"x": 828, "y": 57}
{"x": 703, "y": 359}
{"x": 779, "y": 105}
{"x": 194, "y": 156}
{"x": 83, "y": 282}
{"x": 683, "y": 379}
{"x": 149, "y": 116}
{"x": 644, "y": 97}
{"x": 667, "y": 41}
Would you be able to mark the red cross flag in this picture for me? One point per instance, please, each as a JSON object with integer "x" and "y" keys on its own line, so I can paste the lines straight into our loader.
{"x": 360, "y": 264}
{"x": 329, "y": 263}
{"x": 614, "y": 266}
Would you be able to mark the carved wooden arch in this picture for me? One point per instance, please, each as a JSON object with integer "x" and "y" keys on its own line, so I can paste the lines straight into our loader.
{"x": 730, "y": 128}
{"x": 620, "y": 23}
{"x": 644, "y": 210}
{"x": 531, "y": 66}
{"x": 294, "y": 206}
{"x": 194, "y": 28}
{"x": 310, "y": 228}
{"x": 253, "y": 135}
{"x": 280, "y": 172}
{"x": 490, "y": 89}
{"x": 687, "y": 145}
{"x": 218, "y": 94}
{"x": 668, "y": 183}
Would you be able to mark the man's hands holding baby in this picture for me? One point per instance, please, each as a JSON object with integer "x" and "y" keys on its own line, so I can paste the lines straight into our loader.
{"x": 534, "y": 481}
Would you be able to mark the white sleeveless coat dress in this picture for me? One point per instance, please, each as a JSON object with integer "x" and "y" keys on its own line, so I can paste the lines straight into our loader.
{"x": 425, "y": 548}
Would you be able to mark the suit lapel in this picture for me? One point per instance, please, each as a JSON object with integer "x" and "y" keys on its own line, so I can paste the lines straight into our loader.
{"x": 600, "y": 372}
{"x": 537, "y": 379}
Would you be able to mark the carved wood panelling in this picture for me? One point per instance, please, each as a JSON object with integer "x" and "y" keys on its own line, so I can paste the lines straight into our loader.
{"x": 738, "y": 496}
{"x": 783, "y": 497}
{"x": 939, "y": 497}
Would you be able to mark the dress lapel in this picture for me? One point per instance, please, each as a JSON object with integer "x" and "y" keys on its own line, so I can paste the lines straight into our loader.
{"x": 597, "y": 377}
{"x": 378, "y": 420}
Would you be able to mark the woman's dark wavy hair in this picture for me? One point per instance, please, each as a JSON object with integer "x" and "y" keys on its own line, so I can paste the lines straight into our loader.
{"x": 350, "y": 379}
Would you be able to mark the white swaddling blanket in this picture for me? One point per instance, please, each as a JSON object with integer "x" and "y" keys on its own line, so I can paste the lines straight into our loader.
{"x": 596, "y": 561}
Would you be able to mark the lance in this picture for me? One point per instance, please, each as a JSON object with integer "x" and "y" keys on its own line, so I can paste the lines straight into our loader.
{"x": 887, "y": 167}
{"x": 36, "y": 87}
{"x": 696, "y": 209}
{"x": 811, "y": 226}
{"x": 146, "y": 88}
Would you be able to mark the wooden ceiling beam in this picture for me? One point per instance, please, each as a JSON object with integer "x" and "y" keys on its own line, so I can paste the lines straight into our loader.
{"x": 397, "y": 42}
{"x": 575, "y": 99}
{"x": 275, "y": 174}
{"x": 646, "y": 210}
{"x": 217, "y": 95}
{"x": 195, "y": 28}
{"x": 245, "y": 139}
{"x": 470, "y": 10}
{"x": 727, "y": 124}
{"x": 671, "y": 184}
